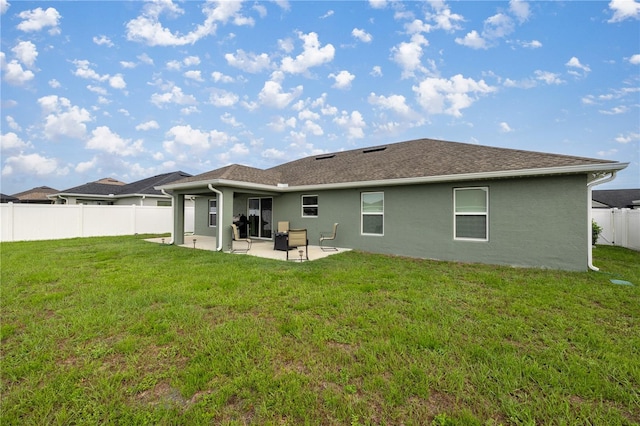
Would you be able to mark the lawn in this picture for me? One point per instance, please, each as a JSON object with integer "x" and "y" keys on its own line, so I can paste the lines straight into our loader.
{"x": 122, "y": 331}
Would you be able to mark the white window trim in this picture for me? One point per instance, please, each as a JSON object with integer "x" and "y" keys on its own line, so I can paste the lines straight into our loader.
{"x": 303, "y": 205}
{"x": 209, "y": 212}
{"x": 362, "y": 194}
{"x": 485, "y": 213}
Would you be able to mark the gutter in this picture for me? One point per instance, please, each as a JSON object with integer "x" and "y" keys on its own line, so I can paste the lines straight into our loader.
{"x": 590, "y": 186}
{"x": 219, "y": 226}
{"x": 172, "y": 207}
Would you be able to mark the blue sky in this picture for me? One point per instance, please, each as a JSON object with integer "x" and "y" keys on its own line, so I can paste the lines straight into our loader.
{"x": 131, "y": 89}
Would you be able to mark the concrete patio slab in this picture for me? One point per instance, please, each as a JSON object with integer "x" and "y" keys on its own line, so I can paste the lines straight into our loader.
{"x": 259, "y": 248}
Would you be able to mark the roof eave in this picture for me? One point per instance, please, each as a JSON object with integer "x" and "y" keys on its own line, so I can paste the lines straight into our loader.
{"x": 593, "y": 170}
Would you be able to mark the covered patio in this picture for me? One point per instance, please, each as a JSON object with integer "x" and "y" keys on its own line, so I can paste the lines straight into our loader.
{"x": 259, "y": 248}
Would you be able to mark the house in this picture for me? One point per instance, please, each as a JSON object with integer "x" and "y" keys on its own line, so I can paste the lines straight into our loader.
{"x": 422, "y": 198}
{"x": 38, "y": 195}
{"x": 7, "y": 198}
{"x": 616, "y": 198}
{"x": 110, "y": 191}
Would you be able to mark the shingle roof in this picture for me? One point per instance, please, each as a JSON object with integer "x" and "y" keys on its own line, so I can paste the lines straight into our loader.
{"x": 411, "y": 159}
{"x": 144, "y": 186}
{"x": 36, "y": 194}
{"x": 620, "y": 198}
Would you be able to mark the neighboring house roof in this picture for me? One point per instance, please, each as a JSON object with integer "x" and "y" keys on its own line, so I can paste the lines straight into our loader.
{"x": 35, "y": 195}
{"x": 420, "y": 160}
{"x": 110, "y": 181}
{"x": 138, "y": 188}
{"x": 620, "y": 198}
{"x": 7, "y": 198}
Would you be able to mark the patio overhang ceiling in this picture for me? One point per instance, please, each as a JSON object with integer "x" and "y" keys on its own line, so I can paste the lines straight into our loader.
{"x": 593, "y": 171}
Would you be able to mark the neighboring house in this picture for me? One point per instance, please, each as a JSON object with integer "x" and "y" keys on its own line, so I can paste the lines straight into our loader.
{"x": 7, "y": 198}
{"x": 37, "y": 195}
{"x": 616, "y": 198}
{"x": 422, "y": 198}
{"x": 112, "y": 192}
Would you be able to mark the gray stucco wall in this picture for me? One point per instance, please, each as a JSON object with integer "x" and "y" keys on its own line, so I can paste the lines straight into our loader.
{"x": 539, "y": 222}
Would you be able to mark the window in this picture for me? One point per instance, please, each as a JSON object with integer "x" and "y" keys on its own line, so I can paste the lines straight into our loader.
{"x": 163, "y": 203}
{"x": 309, "y": 206}
{"x": 471, "y": 214}
{"x": 372, "y": 211}
{"x": 213, "y": 212}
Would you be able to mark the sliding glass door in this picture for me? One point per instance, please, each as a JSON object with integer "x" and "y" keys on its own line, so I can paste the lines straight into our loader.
{"x": 260, "y": 217}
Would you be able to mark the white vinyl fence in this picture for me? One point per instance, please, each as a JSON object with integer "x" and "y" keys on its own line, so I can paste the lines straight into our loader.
{"x": 28, "y": 222}
{"x": 620, "y": 227}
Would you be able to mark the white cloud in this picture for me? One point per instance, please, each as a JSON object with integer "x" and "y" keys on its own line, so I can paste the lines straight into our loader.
{"x": 63, "y": 119}
{"x": 362, "y": 35}
{"x": 272, "y": 95}
{"x": 353, "y": 123}
{"x": 148, "y": 125}
{"x": 102, "y": 40}
{"x": 615, "y": 110}
{"x": 498, "y": 26}
{"x": 505, "y": 128}
{"x": 195, "y": 75}
{"x": 409, "y": 55}
{"x": 219, "y": 77}
{"x": 26, "y": 53}
{"x": 85, "y": 166}
{"x": 624, "y": 9}
{"x": 328, "y": 14}
{"x": 450, "y": 96}
{"x": 117, "y": 82}
{"x": 280, "y": 124}
{"x": 13, "y": 73}
{"x": 312, "y": 55}
{"x": 629, "y": 137}
{"x": 33, "y": 164}
{"x": 378, "y": 4}
{"x": 37, "y": 19}
{"x": 376, "y": 71}
{"x": 609, "y": 153}
{"x": 174, "y": 96}
{"x": 83, "y": 70}
{"x": 128, "y": 64}
{"x": 11, "y": 122}
{"x": 97, "y": 89}
{"x": 103, "y": 139}
{"x": 533, "y": 44}
{"x": 4, "y": 6}
{"x": 185, "y": 139}
{"x": 248, "y": 62}
{"x": 54, "y": 84}
{"x": 635, "y": 59}
{"x": 230, "y": 120}
{"x": 223, "y": 98}
{"x": 443, "y": 18}
{"x": 313, "y": 128}
{"x": 12, "y": 142}
{"x": 574, "y": 63}
{"x": 148, "y": 29}
{"x": 548, "y": 77}
{"x": 342, "y": 80}
{"x": 395, "y": 103}
{"x": 472, "y": 40}
{"x": 520, "y": 9}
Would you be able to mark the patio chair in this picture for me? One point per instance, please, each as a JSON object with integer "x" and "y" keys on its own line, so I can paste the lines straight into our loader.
{"x": 236, "y": 237}
{"x": 296, "y": 239}
{"x": 325, "y": 236}
{"x": 283, "y": 227}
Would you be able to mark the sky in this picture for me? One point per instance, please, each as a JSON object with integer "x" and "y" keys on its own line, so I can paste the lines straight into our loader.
{"x": 133, "y": 89}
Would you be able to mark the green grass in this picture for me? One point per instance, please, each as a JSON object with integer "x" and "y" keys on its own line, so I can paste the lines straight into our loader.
{"x": 121, "y": 331}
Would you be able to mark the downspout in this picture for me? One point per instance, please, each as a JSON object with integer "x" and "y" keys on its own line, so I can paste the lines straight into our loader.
{"x": 142, "y": 200}
{"x": 172, "y": 207}
{"x": 590, "y": 186}
{"x": 219, "y": 233}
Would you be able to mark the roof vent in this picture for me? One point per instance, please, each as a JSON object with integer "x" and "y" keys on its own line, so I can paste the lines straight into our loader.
{"x": 376, "y": 149}
{"x": 325, "y": 157}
